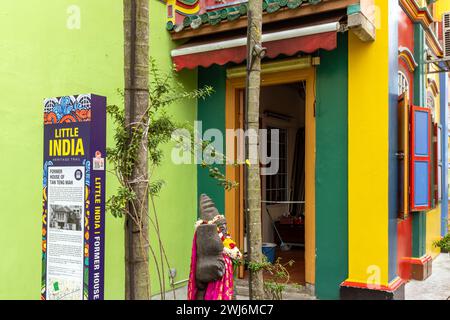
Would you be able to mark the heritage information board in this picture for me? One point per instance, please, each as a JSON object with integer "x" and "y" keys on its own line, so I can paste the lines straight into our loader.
{"x": 73, "y": 219}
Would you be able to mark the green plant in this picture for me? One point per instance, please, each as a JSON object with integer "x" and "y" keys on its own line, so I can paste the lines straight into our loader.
{"x": 279, "y": 276}
{"x": 444, "y": 243}
{"x": 155, "y": 127}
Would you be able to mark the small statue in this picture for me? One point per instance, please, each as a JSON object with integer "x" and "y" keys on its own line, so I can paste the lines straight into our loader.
{"x": 213, "y": 252}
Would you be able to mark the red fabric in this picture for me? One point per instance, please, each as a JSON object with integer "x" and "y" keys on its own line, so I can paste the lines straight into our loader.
{"x": 221, "y": 289}
{"x": 289, "y": 47}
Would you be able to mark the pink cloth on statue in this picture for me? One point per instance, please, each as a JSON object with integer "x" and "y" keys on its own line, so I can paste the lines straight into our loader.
{"x": 218, "y": 290}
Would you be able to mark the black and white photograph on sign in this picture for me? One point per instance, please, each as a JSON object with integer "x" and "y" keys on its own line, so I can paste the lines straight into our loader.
{"x": 65, "y": 217}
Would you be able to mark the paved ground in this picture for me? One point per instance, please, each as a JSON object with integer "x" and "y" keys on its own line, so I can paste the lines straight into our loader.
{"x": 436, "y": 287}
{"x": 291, "y": 293}
{"x": 181, "y": 294}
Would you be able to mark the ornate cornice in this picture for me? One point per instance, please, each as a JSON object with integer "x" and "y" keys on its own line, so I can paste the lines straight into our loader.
{"x": 416, "y": 13}
{"x": 407, "y": 56}
{"x": 423, "y": 16}
{"x": 433, "y": 86}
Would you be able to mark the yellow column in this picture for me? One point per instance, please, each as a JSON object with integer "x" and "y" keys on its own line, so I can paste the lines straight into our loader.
{"x": 368, "y": 154}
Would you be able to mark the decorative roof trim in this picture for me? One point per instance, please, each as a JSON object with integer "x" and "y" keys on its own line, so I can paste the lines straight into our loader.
{"x": 416, "y": 13}
{"x": 195, "y": 16}
{"x": 407, "y": 56}
{"x": 424, "y": 17}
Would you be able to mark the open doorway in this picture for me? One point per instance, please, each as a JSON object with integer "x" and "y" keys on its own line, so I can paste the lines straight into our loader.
{"x": 287, "y": 102}
{"x": 282, "y": 108}
{"x": 282, "y": 115}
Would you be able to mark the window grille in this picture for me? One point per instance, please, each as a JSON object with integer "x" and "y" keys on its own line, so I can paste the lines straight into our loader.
{"x": 277, "y": 184}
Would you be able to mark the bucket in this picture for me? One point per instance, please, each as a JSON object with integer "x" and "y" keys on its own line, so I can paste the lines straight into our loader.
{"x": 268, "y": 249}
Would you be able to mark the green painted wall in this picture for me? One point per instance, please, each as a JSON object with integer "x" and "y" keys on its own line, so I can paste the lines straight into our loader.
{"x": 211, "y": 112}
{"x": 419, "y": 231}
{"x": 40, "y": 57}
{"x": 177, "y": 205}
{"x": 332, "y": 171}
{"x": 419, "y": 225}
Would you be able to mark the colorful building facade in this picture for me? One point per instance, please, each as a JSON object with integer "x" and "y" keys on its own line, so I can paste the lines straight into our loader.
{"x": 375, "y": 192}
{"x": 349, "y": 84}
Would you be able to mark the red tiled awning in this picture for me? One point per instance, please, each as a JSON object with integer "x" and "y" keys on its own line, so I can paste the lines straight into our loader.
{"x": 288, "y": 42}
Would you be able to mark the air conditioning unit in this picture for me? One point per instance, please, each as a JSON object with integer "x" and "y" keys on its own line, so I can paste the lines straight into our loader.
{"x": 446, "y": 34}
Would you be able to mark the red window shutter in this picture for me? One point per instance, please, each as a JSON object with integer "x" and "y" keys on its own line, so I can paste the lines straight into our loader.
{"x": 420, "y": 168}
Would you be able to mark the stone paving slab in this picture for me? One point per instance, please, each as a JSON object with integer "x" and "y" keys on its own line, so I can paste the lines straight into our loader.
{"x": 290, "y": 293}
{"x": 436, "y": 287}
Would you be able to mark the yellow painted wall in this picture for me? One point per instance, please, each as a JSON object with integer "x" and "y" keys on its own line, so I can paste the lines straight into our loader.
{"x": 433, "y": 231}
{"x": 368, "y": 155}
{"x": 440, "y": 7}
